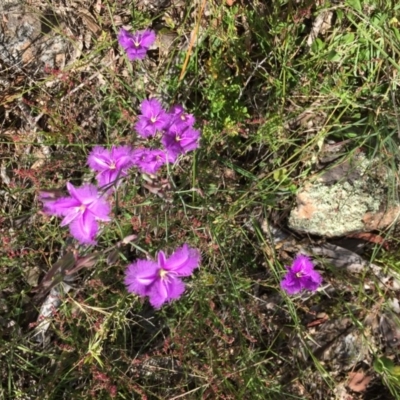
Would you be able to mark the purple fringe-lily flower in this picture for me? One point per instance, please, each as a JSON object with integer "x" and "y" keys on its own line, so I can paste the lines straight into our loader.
{"x": 110, "y": 164}
{"x": 80, "y": 210}
{"x": 301, "y": 276}
{"x": 180, "y": 140}
{"x": 151, "y": 160}
{"x": 136, "y": 44}
{"x": 153, "y": 118}
{"x": 180, "y": 118}
{"x": 160, "y": 280}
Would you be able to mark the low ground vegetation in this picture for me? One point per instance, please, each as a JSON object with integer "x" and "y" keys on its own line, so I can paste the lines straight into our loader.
{"x": 270, "y": 85}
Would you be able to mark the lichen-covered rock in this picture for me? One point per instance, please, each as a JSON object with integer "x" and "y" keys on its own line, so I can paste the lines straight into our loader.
{"x": 17, "y": 34}
{"x": 348, "y": 198}
{"x": 27, "y": 37}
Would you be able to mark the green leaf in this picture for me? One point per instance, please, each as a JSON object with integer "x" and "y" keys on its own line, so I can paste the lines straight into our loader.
{"x": 356, "y": 4}
{"x": 317, "y": 46}
{"x": 333, "y": 56}
{"x": 351, "y": 135}
{"x": 280, "y": 175}
{"x": 396, "y": 32}
{"x": 339, "y": 15}
{"x": 348, "y": 38}
{"x": 383, "y": 364}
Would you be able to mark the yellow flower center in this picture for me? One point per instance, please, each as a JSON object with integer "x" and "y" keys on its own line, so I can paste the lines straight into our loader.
{"x": 163, "y": 273}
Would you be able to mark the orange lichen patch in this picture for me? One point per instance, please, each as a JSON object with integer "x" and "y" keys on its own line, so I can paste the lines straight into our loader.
{"x": 381, "y": 220}
{"x": 358, "y": 381}
{"x": 305, "y": 207}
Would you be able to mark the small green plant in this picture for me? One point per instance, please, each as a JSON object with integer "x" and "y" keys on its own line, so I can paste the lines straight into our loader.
{"x": 390, "y": 373}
